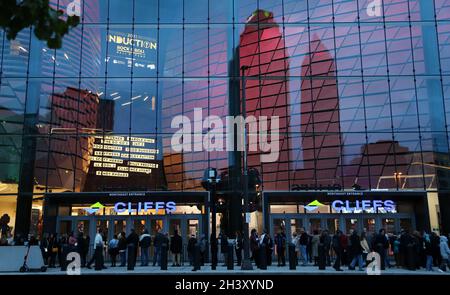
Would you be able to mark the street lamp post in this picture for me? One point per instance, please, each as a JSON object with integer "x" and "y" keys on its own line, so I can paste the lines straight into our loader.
{"x": 246, "y": 263}
{"x": 209, "y": 182}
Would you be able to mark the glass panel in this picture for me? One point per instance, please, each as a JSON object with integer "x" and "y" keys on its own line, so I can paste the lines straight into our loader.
{"x": 103, "y": 224}
{"x": 174, "y": 224}
{"x": 405, "y": 224}
{"x": 369, "y": 225}
{"x": 65, "y": 227}
{"x": 332, "y": 225}
{"x": 278, "y": 225}
{"x": 193, "y": 227}
{"x": 139, "y": 226}
{"x": 314, "y": 224}
{"x": 296, "y": 225}
{"x": 119, "y": 226}
{"x": 351, "y": 223}
{"x": 389, "y": 225}
{"x": 156, "y": 225}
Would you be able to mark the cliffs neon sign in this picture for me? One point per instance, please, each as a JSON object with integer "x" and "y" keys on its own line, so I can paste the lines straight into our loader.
{"x": 143, "y": 207}
{"x": 386, "y": 206}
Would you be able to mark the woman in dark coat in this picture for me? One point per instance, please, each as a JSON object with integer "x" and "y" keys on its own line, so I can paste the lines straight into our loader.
{"x": 176, "y": 245}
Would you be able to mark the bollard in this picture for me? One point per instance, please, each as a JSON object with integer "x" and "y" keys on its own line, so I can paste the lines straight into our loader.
{"x": 262, "y": 257}
{"x": 410, "y": 256}
{"x": 197, "y": 254}
{"x": 292, "y": 257}
{"x": 131, "y": 253}
{"x": 322, "y": 257}
{"x": 163, "y": 257}
{"x": 230, "y": 257}
{"x": 64, "y": 252}
{"x": 214, "y": 250}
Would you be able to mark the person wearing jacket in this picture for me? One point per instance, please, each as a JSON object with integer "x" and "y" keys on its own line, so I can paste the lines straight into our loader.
{"x": 132, "y": 245}
{"x": 344, "y": 249}
{"x": 303, "y": 241}
{"x": 191, "y": 248}
{"x": 238, "y": 248}
{"x": 145, "y": 241}
{"x": 122, "y": 247}
{"x": 280, "y": 247}
{"x": 254, "y": 246}
{"x": 157, "y": 243}
{"x": 380, "y": 244}
{"x": 364, "y": 246}
{"x": 315, "y": 247}
{"x": 336, "y": 245}
{"x": 176, "y": 244}
{"x": 98, "y": 251}
{"x": 295, "y": 242}
{"x": 428, "y": 251}
{"x": 445, "y": 253}
{"x": 435, "y": 249}
{"x": 355, "y": 251}
{"x": 113, "y": 250}
{"x": 224, "y": 247}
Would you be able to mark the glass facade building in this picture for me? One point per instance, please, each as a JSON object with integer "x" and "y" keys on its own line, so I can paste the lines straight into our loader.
{"x": 362, "y": 93}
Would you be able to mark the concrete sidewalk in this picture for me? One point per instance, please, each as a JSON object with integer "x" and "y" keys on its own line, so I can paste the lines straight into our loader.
{"x": 206, "y": 270}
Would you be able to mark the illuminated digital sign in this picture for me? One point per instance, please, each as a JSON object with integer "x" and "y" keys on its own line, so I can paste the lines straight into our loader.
{"x": 364, "y": 206}
{"x": 118, "y": 156}
{"x": 132, "y": 50}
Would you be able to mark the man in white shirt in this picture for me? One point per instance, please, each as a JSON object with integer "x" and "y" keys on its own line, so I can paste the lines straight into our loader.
{"x": 98, "y": 252}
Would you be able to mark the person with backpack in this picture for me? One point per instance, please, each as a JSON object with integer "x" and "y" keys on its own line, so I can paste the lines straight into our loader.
{"x": 113, "y": 250}
{"x": 145, "y": 241}
{"x": 176, "y": 245}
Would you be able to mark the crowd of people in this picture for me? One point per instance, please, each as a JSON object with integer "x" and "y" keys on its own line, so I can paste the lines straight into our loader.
{"x": 409, "y": 250}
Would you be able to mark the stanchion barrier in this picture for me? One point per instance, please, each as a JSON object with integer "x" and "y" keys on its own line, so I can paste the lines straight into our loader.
{"x": 230, "y": 257}
{"x": 164, "y": 257}
{"x": 292, "y": 257}
{"x": 262, "y": 257}
{"x": 322, "y": 257}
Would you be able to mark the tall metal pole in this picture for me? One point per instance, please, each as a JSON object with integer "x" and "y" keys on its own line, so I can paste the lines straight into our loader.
{"x": 246, "y": 263}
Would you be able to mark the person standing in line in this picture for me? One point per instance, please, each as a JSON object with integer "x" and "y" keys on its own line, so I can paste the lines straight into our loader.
{"x": 145, "y": 241}
{"x": 254, "y": 246}
{"x": 113, "y": 250}
{"x": 238, "y": 248}
{"x": 356, "y": 251}
{"x": 280, "y": 247}
{"x": 176, "y": 244}
{"x": 303, "y": 241}
{"x": 396, "y": 251}
{"x": 98, "y": 252}
{"x": 191, "y": 248}
{"x": 315, "y": 247}
{"x": 336, "y": 245}
{"x": 132, "y": 246}
{"x": 365, "y": 247}
{"x": 436, "y": 252}
{"x": 122, "y": 247}
{"x": 445, "y": 254}
{"x": 428, "y": 251}
{"x": 203, "y": 249}
{"x": 53, "y": 250}
{"x": 86, "y": 245}
{"x": 270, "y": 249}
{"x": 224, "y": 247}
{"x": 295, "y": 242}
{"x": 380, "y": 245}
{"x": 327, "y": 246}
{"x": 344, "y": 249}
{"x": 157, "y": 243}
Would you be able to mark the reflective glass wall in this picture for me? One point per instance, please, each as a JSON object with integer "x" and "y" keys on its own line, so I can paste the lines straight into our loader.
{"x": 362, "y": 94}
